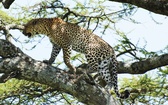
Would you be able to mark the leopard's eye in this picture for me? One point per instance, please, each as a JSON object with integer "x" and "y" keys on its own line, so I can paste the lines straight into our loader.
{"x": 34, "y": 22}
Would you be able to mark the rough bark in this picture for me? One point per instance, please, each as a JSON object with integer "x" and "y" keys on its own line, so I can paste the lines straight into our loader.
{"x": 156, "y": 6}
{"x": 15, "y": 63}
{"x": 24, "y": 67}
{"x": 141, "y": 67}
{"x": 7, "y": 3}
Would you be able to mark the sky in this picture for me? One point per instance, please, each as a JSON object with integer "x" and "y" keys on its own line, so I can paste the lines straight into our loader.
{"x": 147, "y": 31}
{"x": 154, "y": 34}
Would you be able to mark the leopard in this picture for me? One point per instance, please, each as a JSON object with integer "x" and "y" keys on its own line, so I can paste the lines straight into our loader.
{"x": 68, "y": 36}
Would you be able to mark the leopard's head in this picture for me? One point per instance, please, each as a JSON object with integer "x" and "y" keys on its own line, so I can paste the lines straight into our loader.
{"x": 34, "y": 27}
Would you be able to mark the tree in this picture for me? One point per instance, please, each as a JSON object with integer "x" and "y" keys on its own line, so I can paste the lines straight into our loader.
{"x": 36, "y": 82}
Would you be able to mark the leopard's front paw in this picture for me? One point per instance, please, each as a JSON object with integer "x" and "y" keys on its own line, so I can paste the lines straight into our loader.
{"x": 72, "y": 71}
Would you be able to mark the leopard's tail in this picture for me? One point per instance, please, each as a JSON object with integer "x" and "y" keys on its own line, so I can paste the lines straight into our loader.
{"x": 113, "y": 73}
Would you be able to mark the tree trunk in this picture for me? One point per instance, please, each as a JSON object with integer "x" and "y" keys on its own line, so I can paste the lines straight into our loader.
{"x": 20, "y": 66}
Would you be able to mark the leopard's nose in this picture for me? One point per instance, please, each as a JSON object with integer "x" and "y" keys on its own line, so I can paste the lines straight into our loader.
{"x": 27, "y": 34}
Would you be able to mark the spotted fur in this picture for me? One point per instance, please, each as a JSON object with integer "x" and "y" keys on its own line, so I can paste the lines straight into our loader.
{"x": 99, "y": 54}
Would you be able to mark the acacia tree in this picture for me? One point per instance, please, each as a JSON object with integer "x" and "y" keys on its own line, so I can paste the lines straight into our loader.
{"x": 35, "y": 82}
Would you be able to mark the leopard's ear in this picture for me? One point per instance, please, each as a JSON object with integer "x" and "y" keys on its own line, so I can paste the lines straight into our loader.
{"x": 58, "y": 20}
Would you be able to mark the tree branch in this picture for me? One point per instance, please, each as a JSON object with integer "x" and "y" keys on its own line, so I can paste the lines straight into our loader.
{"x": 156, "y": 6}
{"x": 6, "y": 29}
{"x": 7, "y": 3}
{"x": 24, "y": 67}
{"x": 140, "y": 67}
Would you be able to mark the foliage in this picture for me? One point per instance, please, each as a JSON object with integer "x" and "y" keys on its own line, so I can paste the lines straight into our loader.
{"x": 5, "y": 17}
{"x": 25, "y": 92}
{"x": 147, "y": 88}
